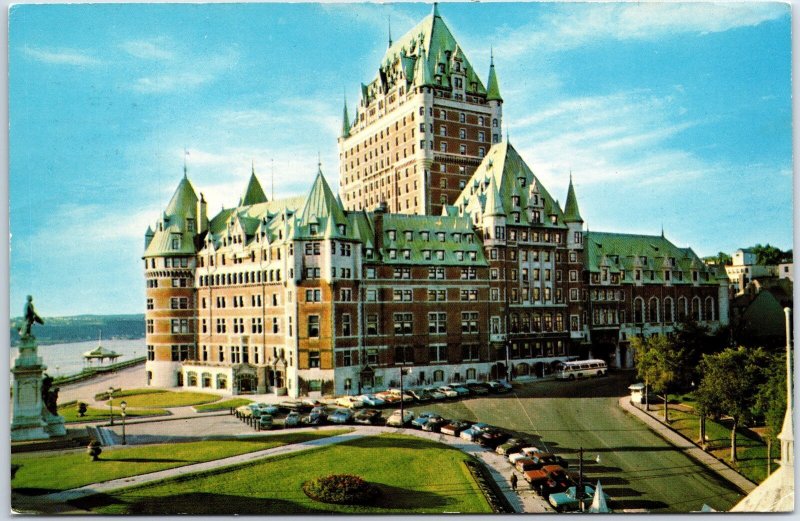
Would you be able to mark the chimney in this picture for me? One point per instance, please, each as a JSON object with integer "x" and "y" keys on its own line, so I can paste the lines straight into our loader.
{"x": 379, "y": 211}
{"x": 202, "y": 219}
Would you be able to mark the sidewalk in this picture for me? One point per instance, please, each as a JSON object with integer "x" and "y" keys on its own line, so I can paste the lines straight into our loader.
{"x": 689, "y": 448}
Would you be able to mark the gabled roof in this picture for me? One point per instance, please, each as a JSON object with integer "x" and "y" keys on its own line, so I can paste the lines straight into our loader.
{"x": 504, "y": 169}
{"x": 254, "y": 194}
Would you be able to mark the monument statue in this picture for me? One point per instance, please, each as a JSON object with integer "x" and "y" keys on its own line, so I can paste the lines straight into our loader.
{"x": 49, "y": 395}
{"x": 30, "y": 316}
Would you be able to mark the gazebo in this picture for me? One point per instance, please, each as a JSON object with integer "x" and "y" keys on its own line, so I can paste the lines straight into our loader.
{"x": 100, "y": 353}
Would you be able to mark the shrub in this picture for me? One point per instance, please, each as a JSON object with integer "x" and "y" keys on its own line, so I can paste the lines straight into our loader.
{"x": 82, "y": 408}
{"x": 343, "y": 489}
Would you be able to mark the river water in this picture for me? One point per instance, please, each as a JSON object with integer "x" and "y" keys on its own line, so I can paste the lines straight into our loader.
{"x": 67, "y": 359}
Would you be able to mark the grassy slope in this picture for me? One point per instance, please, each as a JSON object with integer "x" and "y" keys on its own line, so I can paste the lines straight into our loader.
{"x": 414, "y": 475}
{"x": 70, "y": 413}
{"x": 151, "y": 398}
{"x": 223, "y": 405}
{"x": 53, "y": 472}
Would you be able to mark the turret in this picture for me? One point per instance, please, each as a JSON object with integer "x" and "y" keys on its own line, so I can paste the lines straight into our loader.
{"x": 202, "y": 216}
{"x": 573, "y": 219}
{"x": 495, "y": 102}
{"x": 345, "y": 122}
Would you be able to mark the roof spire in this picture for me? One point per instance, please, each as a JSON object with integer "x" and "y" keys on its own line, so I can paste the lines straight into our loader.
{"x": 185, "y": 154}
{"x": 492, "y": 85}
{"x": 345, "y": 120}
{"x": 436, "y": 10}
{"x": 319, "y": 162}
{"x": 390, "y": 30}
{"x": 571, "y": 212}
{"x": 272, "y": 177}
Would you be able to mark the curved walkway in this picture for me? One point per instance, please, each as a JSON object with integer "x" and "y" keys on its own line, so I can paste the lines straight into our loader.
{"x": 523, "y": 500}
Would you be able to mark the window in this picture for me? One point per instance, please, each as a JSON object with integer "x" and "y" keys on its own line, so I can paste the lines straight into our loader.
{"x": 346, "y": 327}
{"x": 438, "y": 353}
{"x": 149, "y": 303}
{"x": 370, "y": 273}
{"x": 402, "y": 295}
{"x": 462, "y": 118}
{"x": 402, "y": 273}
{"x": 346, "y": 295}
{"x": 469, "y": 322}
{"x": 437, "y": 323}
{"x": 313, "y": 359}
{"x": 151, "y": 353}
{"x": 372, "y": 324}
{"x": 180, "y": 325}
{"x": 469, "y": 294}
{"x": 313, "y": 295}
{"x": 403, "y": 323}
{"x": 437, "y": 295}
{"x": 313, "y": 326}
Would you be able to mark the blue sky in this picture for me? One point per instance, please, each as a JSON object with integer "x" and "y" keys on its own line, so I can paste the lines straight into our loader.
{"x": 673, "y": 114}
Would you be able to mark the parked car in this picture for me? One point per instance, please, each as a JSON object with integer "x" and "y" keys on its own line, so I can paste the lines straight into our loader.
{"x": 448, "y": 391}
{"x": 526, "y": 464}
{"x": 460, "y": 390}
{"x": 421, "y": 418}
{"x": 474, "y": 432}
{"x": 407, "y": 398}
{"x": 291, "y": 406}
{"x": 292, "y": 419}
{"x": 269, "y": 408}
{"x": 349, "y": 402}
{"x": 548, "y": 479}
{"x": 550, "y": 459}
{"x": 255, "y": 410}
{"x": 478, "y": 389}
{"x": 341, "y": 416}
{"x": 530, "y": 451}
{"x": 317, "y": 416}
{"x": 491, "y": 438}
{"x": 370, "y": 400}
{"x": 420, "y": 395}
{"x": 388, "y": 398}
{"x": 434, "y": 423}
{"x": 567, "y": 501}
{"x": 396, "y": 421}
{"x": 498, "y": 387}
{"x": 309, "y": 404}
{"x": 455, "y": 427}
{"x": 435, "y": 393}
{"x": 515, "y": 457}
{"x": 510, "y": 446}
{"x": 265, "y": 422}
{"x": 368, "y": 417}
{"x": 244, "y": 411}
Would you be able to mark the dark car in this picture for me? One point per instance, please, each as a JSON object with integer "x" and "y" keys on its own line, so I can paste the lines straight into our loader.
{"x": 511, "y": 446}
{"x": 491, "y": 438}
{"x": 434, "y": 424}
{"x": 455, "y": 427}
{"x": 548, "y": 479}
{"x": 368, "y": 417}
{"x": 317, "y": 416}
{"x": 421, "y": 395}
{"x": 478, "y": 389}
{"x": 291, "y": 406}
{"x": 552, "y": 459}
{"x": 498, "y": 387}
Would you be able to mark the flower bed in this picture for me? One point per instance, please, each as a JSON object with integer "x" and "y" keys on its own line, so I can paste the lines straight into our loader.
{"x": 342, "y": 489}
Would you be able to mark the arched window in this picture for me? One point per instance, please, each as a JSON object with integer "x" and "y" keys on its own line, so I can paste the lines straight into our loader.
{"x": 222, "y": 381}
{"x": 191, "y": 376}
{"x": 471, "y": 373}
{"x": 438, "y": 376}
{"x": 696, "y": 316}
{"x": 683, "y": 310}
{"x": 709, "y": 311}
{"x": 638, "y": 310}
{"x": 653, "y": 308}
{"x": 206, "y": 379}
{"x": 669, "y": 311}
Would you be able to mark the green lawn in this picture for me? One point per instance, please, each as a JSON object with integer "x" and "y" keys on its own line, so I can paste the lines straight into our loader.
{"x": 70, "y": 413}
{"x": 751, "y": 451}
{"x": 162, "y": 399}
{"x": 42, "y": 474}
{"x": 223, "y": 405}
{"x": 414, "y": 475}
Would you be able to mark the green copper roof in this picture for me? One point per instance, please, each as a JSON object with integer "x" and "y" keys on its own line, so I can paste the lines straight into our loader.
{"x": 172, "y": 236}
{"x": 518, "y": 190}
{"x": 571, "y": 212}
{"x": 458, "y": 237}
{"x": 651, "y": 253}
{"x": 493, "y": 91}
{"x": 254, "y": 194}
{"x": 184, "y": 200}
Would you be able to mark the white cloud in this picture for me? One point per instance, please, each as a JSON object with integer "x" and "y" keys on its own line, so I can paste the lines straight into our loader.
{"x": 572, "y": 26}
{"x": 190, "y": 72}
{"x": 170, "y": 81}
{"x": 61, "y": 56}
{"x": 154, "y": 49}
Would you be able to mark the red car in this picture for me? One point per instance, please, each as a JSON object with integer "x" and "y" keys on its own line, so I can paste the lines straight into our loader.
{"x": 548, "y": 479}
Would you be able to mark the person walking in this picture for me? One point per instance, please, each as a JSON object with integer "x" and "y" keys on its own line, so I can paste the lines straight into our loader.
{"x": 514, "y": 482}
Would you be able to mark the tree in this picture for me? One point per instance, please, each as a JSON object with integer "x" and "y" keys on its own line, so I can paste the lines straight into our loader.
{"x": 770, "y": 402}
{"x": 720, "y": 258}
{"x": 697, "y": 340}
{"x": 727, "y": 387}
{"x": 768, "y": 255}
{"x": 659, "y": 361}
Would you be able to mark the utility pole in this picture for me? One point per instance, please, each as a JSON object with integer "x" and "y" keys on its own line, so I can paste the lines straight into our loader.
{"x": 579, "y": 491}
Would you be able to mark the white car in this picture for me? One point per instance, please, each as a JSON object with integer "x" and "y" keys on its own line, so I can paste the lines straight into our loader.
{"x": 370, "y": 400}
{"x": 448, "y": 391}
{"x": 529, "y": 451}
{"x": 349, "y": 402}
{"x": 292, "y": 419}
{"x": 435, "y": 393}
{"x": 513, "y": 458}
{"x": 395, "y": 421}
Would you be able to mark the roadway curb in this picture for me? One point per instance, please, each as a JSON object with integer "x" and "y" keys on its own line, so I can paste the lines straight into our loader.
{"x": 744, "y": 485}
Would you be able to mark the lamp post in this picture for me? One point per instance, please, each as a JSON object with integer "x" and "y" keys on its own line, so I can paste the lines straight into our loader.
{"x": 402, "y": 395}
{"x": 110, "y": 406}
{"x": 123, "y": 405}
{"x": 579, "y": 491}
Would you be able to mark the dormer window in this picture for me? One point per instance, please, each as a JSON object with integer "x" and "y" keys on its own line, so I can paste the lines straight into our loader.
{"x": 409, "y": 235}
{"x": 643, "y": 260}
{"x": 426, "y": 236}
{"x": 343, "y": 229}
{"x": 313, "y": 229}
{"x": 190, "y": 225}
{"x": 515, "y": 216}
{"x": 392, "y": 234}
{"x": 426, "y": 254}
{"x": 457, "y": 237}
{"x": 176, "y": 242}
{"x": 441, "y": 68}
{"x": 440, "y": 254}
{"x": 368, "y": 253}
{"x": 406, "y": 254}
{"x": 515, "y": 200}
{"x": 440, "y": 236}
{"x": 522, "y": 181}
{"x": 554, "y": 219}
{"x": 392, "y": 254}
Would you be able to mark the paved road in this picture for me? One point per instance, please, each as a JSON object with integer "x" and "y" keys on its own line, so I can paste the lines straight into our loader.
{"x": 637, "y": 468}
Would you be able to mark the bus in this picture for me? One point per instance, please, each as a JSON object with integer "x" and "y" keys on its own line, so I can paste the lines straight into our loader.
{"x": 582, "y": 369}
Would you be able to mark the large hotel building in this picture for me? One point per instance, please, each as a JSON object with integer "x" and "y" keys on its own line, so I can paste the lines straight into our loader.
{"x": 443, "y": 256}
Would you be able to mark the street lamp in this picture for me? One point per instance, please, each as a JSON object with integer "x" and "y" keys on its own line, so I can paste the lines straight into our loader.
{"x": 123, "y": 405}
{"x": 579, "y": 491}
{"x": 403, "y": 370}
{"x": 110, "y": 406}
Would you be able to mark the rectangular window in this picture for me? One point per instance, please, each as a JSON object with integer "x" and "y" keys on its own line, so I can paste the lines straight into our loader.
{"x": 313, "y": 359}
{"x": 437, "y": 353}
{"x": 313, "y": 326}
{"x": 372, "y": 324}
{"x": 346, "y": 295}
{"x": 151, "y": 353}
{"x": 180, "y": 325}
{"x": 403, "y": 323}
{"x": 150, "y": 325}
{"x": 437, "y": 323}
{"x": 469, "y": 322}
{"x": 149, "y": 303}
{"x": 346, "y": 328}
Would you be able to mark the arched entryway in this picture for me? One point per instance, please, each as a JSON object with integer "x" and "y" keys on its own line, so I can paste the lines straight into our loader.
{"x": 246, "y": 383}
{"x": 498, "y": 371}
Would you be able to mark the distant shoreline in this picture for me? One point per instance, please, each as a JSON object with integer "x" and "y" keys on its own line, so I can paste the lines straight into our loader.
{"x": 82, "y": 328}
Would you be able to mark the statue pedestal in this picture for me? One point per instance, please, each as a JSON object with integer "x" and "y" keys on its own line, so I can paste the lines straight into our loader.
{"x": 27, "y": 423}
{"x": 54, "y": 425}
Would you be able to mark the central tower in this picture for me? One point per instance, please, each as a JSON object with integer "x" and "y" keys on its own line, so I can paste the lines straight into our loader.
{"x": 421, "y": 127}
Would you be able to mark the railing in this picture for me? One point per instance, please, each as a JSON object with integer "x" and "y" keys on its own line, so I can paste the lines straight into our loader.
{"x": 90, "y": 372}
